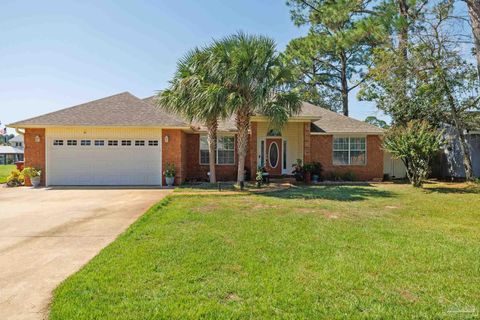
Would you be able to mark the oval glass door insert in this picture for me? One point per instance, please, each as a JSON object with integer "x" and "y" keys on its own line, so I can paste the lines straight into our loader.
{"x": 273, "y": 154}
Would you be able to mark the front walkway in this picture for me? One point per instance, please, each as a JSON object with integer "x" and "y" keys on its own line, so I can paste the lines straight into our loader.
{"x": 48, "y": 234}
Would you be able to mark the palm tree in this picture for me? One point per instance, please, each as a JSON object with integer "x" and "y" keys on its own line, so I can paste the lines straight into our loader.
{"x": 194, "y": 93}
{"x": 251, "y": 70}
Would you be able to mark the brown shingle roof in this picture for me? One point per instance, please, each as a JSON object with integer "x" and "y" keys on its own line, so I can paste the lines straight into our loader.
{"x": 123, "y": 109}
{"x": 332, "y": 122}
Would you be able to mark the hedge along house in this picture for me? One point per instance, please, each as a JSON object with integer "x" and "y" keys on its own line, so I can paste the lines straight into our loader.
{"x": 124, "y": 140}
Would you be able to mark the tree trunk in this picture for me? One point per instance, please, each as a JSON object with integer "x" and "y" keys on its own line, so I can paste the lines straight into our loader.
{"x": 243, "y": 125}
{"x": 467, "y": 160}
{"x": 458, "y": 123}
{"x": 344, "y": 80}
{"x": 403, "y": 29}
{"x": 474, "y": 13}
{"x": 212, "y": 126}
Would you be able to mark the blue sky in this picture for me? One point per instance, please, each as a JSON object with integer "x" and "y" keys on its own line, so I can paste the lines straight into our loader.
{"x": 56, "y": 54}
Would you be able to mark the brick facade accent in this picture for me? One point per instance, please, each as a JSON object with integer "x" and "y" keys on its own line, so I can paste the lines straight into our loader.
{"x": 306, "y": 143}
{"x": 35, "y": 151}
{"x": 174, "y": 151}
{"x": 322, "y": 151}
{"x": 197, "y": 171}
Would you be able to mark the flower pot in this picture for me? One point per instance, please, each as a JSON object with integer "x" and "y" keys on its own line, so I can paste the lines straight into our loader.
{"x": 308, "y": 177}
{"x": 170, "y": 181}
{"x": 315, "y": 178}
{"x": 35, "y": 181}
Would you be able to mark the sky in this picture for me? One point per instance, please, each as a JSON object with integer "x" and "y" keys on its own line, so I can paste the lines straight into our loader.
{"x": 60, "y": 53}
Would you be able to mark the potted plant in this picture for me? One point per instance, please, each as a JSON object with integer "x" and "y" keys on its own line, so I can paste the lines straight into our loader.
{"x": 298, "y": 171}
{"x": 307, "y": 168}
{"x": 33, "y": 174}
{"x": 169, "y": 174}
{"x": 316, "y": 170}
{"x": 259, "y": 177}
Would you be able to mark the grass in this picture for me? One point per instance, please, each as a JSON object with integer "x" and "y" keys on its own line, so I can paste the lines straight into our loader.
{"x": 5, "y": 172}
{"x": 350, "y": 252}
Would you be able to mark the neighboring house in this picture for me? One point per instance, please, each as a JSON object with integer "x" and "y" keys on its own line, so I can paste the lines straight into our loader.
{"x": 124, "y": 140}
{"x": 450, "y": 164}
{"x": 12, "y": 153}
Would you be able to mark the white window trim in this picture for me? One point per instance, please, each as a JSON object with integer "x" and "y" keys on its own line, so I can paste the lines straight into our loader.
{"x": 349, "y": 150}
{"x": 216, "y": 150}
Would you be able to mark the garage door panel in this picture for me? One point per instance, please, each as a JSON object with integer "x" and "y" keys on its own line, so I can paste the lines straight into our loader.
{"x": 103, "y": 165}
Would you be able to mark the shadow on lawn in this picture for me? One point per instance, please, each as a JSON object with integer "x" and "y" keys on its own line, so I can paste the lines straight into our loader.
{"x": 446, "y": 190}
{"x": 339, "y": 193}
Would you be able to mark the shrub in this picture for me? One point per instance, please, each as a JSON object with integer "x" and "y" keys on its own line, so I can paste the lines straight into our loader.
{"x": 414, "y": 144}
{"x": 349, "y": 176}
{"x": 15, "y": 179}
{"x": 169, "y": 170}
{"x": 31, "y": 172}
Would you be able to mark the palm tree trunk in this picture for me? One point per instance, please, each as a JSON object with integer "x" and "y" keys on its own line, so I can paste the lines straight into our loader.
{"x": 212, "y": 126}
{"x": 474, "y": 13}
{"x": 243, "y": 125}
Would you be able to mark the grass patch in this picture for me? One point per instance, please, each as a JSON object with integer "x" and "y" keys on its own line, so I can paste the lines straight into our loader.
{"x": 374, "y": 251}
{"x": 5, "y": 172}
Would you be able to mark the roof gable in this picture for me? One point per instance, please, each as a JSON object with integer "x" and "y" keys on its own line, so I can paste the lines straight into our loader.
{"x": 123, "y": 109}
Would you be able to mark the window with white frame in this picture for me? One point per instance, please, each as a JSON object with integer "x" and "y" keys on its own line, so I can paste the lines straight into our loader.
{"x": 99, "y": 143}
{"x": 225, "y": 150}
{"x": 139, "y": 143}
{"x": 71, "y": 142}
{"x": 113, "y": 142}
{"x": 85, "y": 142}
{"x": 126, "y": 142}
{"x": 349, "y": 151}
{"x": 58, "y": 142}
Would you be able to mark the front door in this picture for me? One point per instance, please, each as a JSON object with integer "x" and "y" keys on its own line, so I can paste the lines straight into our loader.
{"x": 273, "y": 161}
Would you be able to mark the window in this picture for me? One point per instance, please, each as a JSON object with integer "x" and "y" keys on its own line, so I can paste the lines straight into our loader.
{"x": 139, "y": 142}
{"x": 71, "y": 142}
{"x": 262, "y": 153}
{"x": 58, "y": 142}
{"x": 99, "y": 142}
{"x": 85, "y": 142}
{"x": 153, "y": 142}
{"x": 113, "y": 142}
{"x": 126, "y": 142}
{"x": 349, "y": 151}
{"x": 274, "y": 133}
{"x": 225, "y": 150}
{"x": 204, "y": 153}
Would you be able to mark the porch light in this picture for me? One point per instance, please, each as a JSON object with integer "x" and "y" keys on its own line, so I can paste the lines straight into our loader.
{"x": 166, "y": 139}
{"x": 37, "y": 138}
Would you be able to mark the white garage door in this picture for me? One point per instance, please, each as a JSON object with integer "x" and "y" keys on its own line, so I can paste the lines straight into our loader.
{"x": 103, "y": 161}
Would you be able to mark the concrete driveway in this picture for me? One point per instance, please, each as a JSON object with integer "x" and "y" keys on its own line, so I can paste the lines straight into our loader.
{"x": 48, "y": 234}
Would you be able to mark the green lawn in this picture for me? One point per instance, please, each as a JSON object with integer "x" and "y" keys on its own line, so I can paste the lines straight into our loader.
{"x": 5, "y": 172}
{"x": 350, "y": 252}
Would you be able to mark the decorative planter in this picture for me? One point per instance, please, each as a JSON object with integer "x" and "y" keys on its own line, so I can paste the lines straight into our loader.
{"x": 315, "y": 178}
{"x": 170, "y": 181}
{"x": 35, "y": 181}
{"x": 308, "y": 177}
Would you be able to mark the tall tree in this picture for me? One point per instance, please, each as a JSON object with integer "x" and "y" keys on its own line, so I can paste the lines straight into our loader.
{"x": 255, "y": 78}
{"x": 197, "y": 94}
{"x": 474, "y": 14}
{"x": 331, "y": 60}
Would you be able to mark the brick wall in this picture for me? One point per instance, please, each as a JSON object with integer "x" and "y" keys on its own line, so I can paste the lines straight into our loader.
{"x": 174, "y": 151}
{"x": 307, "y": 143}
{"x": 35, "y": 151}
{"x": 198, "y": 172}
{"x": 322, "y": 151}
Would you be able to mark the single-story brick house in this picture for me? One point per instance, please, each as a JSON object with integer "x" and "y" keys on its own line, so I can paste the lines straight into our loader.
{"x": 124, "y": 140}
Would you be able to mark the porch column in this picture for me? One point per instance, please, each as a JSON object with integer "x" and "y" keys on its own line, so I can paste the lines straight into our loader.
{"x": 306, "y": 143}
{"x": 253, "y": 150}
